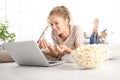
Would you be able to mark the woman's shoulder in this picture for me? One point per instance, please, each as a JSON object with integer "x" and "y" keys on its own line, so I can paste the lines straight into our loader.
{"x": 76, "y": 27}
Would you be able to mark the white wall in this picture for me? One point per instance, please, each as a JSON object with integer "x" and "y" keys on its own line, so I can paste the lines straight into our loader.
{"x": 32, "y": 15}
{"x": 85, "y": 11}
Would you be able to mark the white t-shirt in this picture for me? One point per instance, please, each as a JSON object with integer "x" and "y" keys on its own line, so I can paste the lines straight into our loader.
{"x": 75, "y": 37}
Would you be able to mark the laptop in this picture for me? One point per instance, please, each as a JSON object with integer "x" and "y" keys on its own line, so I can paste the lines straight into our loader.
{"x": 28, "y": 53}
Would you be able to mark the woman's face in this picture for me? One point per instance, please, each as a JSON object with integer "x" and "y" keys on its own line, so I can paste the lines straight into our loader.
{"x": 58, "y": 24}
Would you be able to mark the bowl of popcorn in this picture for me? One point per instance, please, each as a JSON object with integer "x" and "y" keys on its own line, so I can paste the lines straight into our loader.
{"x": 89, "y": 56}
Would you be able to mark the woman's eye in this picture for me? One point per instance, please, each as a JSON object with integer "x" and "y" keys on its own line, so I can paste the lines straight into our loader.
{"x": 56, "y": 23}
{"x": 51, "y": 24}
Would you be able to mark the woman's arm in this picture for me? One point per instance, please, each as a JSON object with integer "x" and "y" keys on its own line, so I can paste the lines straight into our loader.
{"x": 53, "y": 52}
{"x": 44, "y": 44}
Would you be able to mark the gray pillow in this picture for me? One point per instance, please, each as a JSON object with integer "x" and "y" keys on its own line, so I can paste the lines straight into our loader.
{"x": 4, "y": 57}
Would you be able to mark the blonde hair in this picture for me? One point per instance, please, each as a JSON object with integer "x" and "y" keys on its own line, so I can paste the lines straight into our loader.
{"x": 61, "y": 11}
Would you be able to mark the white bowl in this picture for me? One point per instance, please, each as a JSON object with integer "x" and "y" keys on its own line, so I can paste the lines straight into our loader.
{"x": 89, "y": 56}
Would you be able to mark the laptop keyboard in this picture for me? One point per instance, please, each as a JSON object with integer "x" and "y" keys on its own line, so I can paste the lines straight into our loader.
{"x": 51, "y": 62}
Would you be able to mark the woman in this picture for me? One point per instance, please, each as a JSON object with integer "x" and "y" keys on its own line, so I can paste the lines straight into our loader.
{"x": 65, "y": 37}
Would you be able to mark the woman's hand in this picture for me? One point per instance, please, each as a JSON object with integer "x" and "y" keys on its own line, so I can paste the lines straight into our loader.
{"x": 62, "y": 48}
{"x": 43, "y": 43}
{"x": 56, "y": 49}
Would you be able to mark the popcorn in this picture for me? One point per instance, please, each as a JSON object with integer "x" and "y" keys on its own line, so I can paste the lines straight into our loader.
{"x": 89, "y": 56}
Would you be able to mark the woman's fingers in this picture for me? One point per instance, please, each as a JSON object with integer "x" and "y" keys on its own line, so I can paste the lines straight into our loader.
{"x": 43, "y": 43}
{"x": 62, "y": 48}
{"x": 59, "y": 48}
